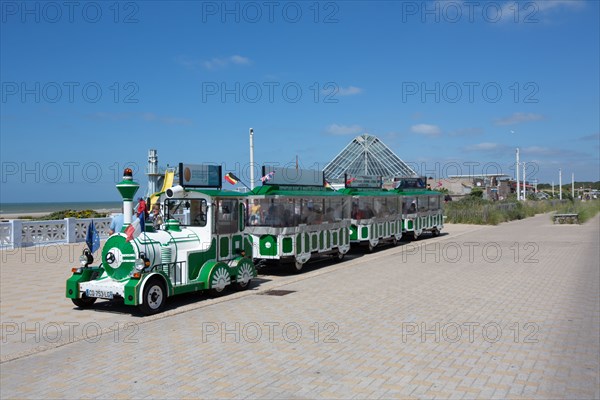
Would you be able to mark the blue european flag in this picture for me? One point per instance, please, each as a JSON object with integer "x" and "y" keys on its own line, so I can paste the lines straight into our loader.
{"x": 92, "y": 238}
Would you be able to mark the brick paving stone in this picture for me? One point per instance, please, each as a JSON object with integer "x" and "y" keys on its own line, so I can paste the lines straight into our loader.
{"x": 534, "y": 314}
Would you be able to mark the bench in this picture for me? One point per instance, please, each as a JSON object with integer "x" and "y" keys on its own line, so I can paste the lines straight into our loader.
{"x": 566, "y": 218}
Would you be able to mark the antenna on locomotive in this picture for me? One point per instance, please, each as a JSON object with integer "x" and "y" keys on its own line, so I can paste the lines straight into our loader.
{"x": 127, "y": 188}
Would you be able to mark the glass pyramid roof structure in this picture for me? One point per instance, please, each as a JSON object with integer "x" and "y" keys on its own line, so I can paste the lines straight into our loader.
{"x": 367, "y": 155}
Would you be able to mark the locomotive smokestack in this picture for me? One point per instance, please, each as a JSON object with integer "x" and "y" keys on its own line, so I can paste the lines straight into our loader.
{"x": 127, "y": 188}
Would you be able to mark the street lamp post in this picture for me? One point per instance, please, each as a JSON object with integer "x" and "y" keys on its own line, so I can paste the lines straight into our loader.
{"x": 560, "y": 184}
{"x": 518, "y": 185}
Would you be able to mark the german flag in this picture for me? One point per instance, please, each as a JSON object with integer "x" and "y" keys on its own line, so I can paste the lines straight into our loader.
{"x": 231, "y": 178}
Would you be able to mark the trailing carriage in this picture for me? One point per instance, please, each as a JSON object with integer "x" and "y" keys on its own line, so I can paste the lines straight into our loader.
{"x": 376, "y": 215}
{"x": 293, "y": 217}
{"x": 421, "y": 208}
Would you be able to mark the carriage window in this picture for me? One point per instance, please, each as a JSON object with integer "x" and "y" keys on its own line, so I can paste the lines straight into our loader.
{"x": 422, "y": 203}
{"x": 409, "y": 205}
{"x": 434, "y": 203}
{"x": 189, "y": 212}
{"x": 226, "y": 216}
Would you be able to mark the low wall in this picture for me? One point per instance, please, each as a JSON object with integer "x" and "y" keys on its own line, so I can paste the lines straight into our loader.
{"x": 18, "y": 233}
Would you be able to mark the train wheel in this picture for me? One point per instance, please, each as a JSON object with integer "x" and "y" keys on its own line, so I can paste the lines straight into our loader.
{"x": 339, "y": 256}
{"x": 155, "y": 297}
{"x": 244, "y": 277}
{"x": 84, "y": 302}
{"x": 219, "y": 281}
{"x": 298, "y": 266}
{"x": 372, "y": 247}
{"x": 435, "y": 232}
{"x": 394, "y": 241}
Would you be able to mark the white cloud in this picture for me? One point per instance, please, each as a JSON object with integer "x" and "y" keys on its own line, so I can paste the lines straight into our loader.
{"x": 335, "y": 129}
{"x": 531, "y": 11}
{"x": 426, "y": 129}
{"x": 214, "y": 63}
{"x": 349, "y": 91}
{"x": 551, "y": 4}
{"x": 518, "y": 118}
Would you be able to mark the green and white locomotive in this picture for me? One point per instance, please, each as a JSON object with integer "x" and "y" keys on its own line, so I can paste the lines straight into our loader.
{"x": 293, "y": 217}
{"x": 376, "y": 215}
{"x": 201, "y": 246}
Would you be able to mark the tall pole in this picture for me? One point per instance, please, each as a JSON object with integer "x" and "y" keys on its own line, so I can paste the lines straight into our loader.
{"x": 552, "y": 188}
{"x": 518, "y": 185}
{"x": 524, "y": 180}
{"x": 573, "y": 185}
{"x": 251, "y": 158}
{"x": 560, "y": 184}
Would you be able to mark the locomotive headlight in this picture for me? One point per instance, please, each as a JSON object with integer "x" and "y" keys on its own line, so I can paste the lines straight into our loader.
{"x": 83, "y": 260}
{"x": 140, "y": 264}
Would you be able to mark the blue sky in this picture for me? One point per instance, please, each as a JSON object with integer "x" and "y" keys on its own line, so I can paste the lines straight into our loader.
{"x": 451, "y": 87}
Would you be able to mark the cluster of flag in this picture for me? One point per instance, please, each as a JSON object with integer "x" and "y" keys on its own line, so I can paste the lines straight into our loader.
{"x": 349, "y": 181}
{"x": 231, "y": 178}
{"x": 136, "y": 227}
{"x": 268, "y": 177}
{"x": 92, "y": 238}
{"x": 328, "y": 185}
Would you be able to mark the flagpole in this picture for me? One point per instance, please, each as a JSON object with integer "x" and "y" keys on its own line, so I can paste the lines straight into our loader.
{"x": 251, "y": 159}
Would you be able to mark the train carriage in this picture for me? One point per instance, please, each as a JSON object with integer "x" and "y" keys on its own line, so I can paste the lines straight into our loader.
{"x": 376, "y": 215}
{"x": 293, "y": 217}
{"x": 201, "y": 246}
{"x": 421, "y": 208}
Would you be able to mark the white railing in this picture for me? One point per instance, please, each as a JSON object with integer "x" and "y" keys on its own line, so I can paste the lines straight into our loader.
{"x": 18, "y": 233}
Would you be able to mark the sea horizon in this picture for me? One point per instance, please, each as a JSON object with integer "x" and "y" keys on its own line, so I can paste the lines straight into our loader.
{"x": 49, "y": 207}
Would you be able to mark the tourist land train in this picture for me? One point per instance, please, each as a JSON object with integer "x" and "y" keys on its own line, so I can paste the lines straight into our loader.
{"x": 212, "y": 239}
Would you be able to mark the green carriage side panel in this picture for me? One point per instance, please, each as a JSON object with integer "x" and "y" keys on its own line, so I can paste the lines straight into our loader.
{"x": 334, "y": 239}
{"x": 237, "y": 244}
{"x": 287, "y": 245}
{"x": 364, "y": 233}
{"x": 306, "y": 243}
{"x": 268, "y": 245}
{"x": 314, "y": 242}
{"x": 223, "y": 246}
{"x": 299, "y": 243}
{"x": 197, "y": 259}
{"x": 353, "y": 232}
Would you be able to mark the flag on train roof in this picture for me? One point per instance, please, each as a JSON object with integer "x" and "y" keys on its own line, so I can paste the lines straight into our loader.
{"x": 231, "y": 178}
{"x": 328, "y": 185}
{"x": 349, "y": 181}
{"x": 268, "y": 177}
{"x": 135, "y": 228}
{"x": 92, "y": 238}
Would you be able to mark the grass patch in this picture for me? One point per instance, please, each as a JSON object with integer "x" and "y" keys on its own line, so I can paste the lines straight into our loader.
{"x": 68, "y": 214}
{"x": 472, "y": 210}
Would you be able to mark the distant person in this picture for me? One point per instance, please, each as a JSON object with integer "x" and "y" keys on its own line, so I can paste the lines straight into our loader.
{"x": 448, "y": 198}
{"x": 155, "y": 217}
{"x": 255, "y": 213}
{"x": 116, "y": 224}
{"x": 141, "y": 208}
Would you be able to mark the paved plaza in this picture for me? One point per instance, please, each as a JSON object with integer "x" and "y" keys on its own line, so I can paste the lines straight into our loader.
{"x": 508, "y": 311}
